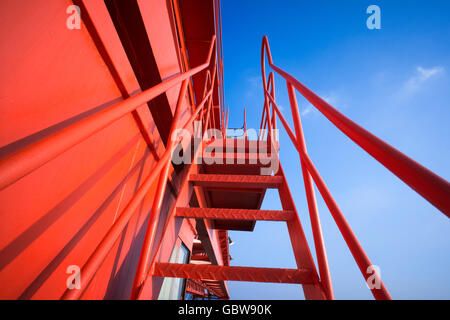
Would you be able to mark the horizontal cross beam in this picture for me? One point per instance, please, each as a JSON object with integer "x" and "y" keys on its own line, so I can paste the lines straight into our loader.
{"x": 235, "y": 214}
{"x": 212, "y": 272}
{"x": 236, "y": 181}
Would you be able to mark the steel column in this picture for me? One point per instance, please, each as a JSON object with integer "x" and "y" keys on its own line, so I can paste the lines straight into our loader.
{"x": 352, "y": 242}
{"x": 429, "y": 185}
{"x": 28, "y": 159}
{"x": 252, "y": 274}
{"x": 235, "y": 214}
{"x": 135, "y": 294}
{"x": 157, "y": 201}
{"x": 236, "y": 181}
{"x": 98, "y": 256}
{"x": 311, "y": 199}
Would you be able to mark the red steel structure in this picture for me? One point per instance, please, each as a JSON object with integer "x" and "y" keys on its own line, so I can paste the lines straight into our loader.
{"x": 87, "y": 171}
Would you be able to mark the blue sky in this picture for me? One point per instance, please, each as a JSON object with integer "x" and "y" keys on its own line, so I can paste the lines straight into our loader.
{"x": 394, "y": 82}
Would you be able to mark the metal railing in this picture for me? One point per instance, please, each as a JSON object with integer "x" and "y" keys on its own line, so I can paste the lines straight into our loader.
{"x": 26, "y": 160}
{"x": 429, "y": 185}
{"x": 161, "y": 169}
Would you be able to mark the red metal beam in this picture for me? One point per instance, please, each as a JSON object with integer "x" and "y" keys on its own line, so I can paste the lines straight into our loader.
{"x": 235, "y": 158}
{"x": 224, "y": 245}
{"x": 239, "y": 145}
{"x": 210, "y": 272}
{"x": 226, "y": 123}
{"x": 319, "y": 244}
{"x": 425, "y": 182}
{"x": 200, "y": 257}
{"x": 158, "y": 199}
{"x": 195, "y": 288}
{"x": 300, "y": 247}
{"x": 353, "y": 244}
{"x": 100, "y": 253}
{"x": 283, "y": 121}
{"x": 236, "y": 181}
{"x": 235, "y": 214}
{"x": 213, "y": 287}
{"x": 98, "y": 256}
{"x": 28, "y": 159}
{"x": 184, "y": 185}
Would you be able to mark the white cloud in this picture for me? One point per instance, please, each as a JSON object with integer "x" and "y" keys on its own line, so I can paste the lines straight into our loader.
{"x": 426, "y": 73}
{"x": 332, "y": 98}
{"x": 416, "y": 81}
{"x": 254, "y": 86}
{"x": 307, "y": 110}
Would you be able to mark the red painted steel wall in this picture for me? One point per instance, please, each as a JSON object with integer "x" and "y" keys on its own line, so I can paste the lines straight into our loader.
{"x": 56, "y": 216}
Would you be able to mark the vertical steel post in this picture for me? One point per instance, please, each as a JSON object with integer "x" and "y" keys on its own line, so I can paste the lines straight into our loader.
{"x": 261, "y": 125}
{"x": 245, "y": 121}
{"x": 208, "y": 112}
{"x": 172, "y": 214}
{"x": 226, "y": 123}
{"x": 157, "y": 202}
{"x": 353, "y": 244}
{"x": 272, "y": 98}
{"x": 311, "y": 198}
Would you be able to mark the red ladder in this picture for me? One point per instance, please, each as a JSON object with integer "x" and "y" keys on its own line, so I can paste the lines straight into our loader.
{"x": 248, "y": 189}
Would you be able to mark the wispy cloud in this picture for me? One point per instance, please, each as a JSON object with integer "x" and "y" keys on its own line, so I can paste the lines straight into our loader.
{"x": 253, "y": 86}
{"x": 332, "y": 98}
{"x": 307, "y": 110}
{"x": 420, "y": 77}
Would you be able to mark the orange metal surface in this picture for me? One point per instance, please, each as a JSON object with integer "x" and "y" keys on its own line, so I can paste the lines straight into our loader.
{"x": 86, "y": 146}
{"x": 73, "y": 152}
{"x": 190, "y": 271}
{"x": 235, "y": 214}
